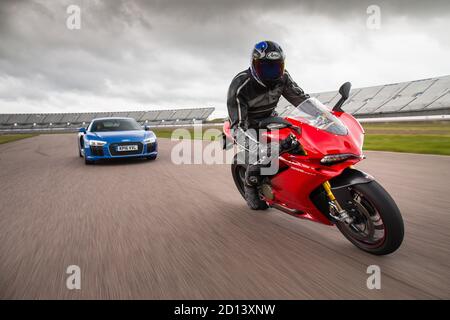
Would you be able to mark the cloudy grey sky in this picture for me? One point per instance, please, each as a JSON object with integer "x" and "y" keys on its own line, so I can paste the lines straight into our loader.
{"x": 139, "y": 55}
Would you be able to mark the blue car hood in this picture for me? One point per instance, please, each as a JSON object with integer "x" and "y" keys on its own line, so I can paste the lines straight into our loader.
{"x": 116, "y": 136}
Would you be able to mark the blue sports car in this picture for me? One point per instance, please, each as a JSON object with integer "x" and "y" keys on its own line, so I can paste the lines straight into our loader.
{"x": 110, "y": 138}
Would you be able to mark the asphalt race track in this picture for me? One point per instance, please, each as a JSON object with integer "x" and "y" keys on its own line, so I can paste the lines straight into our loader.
{"x": 155, "y": 230}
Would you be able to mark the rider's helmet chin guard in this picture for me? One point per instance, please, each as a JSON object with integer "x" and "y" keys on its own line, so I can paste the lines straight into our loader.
{"x": 267, "y": 64}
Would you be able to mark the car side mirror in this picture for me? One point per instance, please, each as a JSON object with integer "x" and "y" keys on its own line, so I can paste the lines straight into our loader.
{"x": 146, "y": 128}
{"x": 344, "y": 91}
{"x": 82, "y": 130}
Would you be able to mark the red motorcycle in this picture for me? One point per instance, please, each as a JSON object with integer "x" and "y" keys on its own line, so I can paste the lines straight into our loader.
{"x": 316, "y": 179}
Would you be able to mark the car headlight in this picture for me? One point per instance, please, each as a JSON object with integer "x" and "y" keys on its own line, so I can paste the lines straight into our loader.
{"x": 96, "y": 143}
{"x": 150, "y": 140}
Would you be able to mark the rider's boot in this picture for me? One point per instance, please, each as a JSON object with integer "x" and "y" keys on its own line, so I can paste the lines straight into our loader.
{"x": 251, "y": 189}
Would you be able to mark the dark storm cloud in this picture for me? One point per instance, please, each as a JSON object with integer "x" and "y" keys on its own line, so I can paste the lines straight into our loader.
{"x": 171, "y": 53}
{"x": 206, "y": 10}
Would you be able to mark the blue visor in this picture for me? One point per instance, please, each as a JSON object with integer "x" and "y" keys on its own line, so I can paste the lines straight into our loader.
{"x": 269, "y": 70}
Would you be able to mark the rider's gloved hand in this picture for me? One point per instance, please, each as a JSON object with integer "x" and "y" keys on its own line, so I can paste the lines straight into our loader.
{"x": 288, "y": 143}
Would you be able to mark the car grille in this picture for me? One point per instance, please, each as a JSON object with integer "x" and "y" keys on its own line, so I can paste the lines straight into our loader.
{"x": 114, "y": 152}
{"x": 97, "y": 151}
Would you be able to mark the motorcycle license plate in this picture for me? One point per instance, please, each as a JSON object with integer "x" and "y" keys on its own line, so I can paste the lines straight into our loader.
{"x": 133, "y": 147}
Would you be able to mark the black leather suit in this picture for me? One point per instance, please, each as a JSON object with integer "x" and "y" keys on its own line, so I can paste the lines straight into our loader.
{"x": 249, "y": 101}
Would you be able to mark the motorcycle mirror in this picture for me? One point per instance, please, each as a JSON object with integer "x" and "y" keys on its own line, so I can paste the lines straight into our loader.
{"x": 344, "y": 91}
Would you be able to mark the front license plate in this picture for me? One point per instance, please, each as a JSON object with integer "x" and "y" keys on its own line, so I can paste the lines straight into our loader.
{"x": 127, "y": 148}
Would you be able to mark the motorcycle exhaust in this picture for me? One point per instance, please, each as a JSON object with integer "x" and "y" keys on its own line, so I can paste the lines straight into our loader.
{"x": 292, "y": 212}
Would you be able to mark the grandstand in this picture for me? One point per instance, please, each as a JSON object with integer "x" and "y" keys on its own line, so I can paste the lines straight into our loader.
{"x": 72, "y": 121}
{"x": 425, "y": 97}
{"x": 420, "y": 98}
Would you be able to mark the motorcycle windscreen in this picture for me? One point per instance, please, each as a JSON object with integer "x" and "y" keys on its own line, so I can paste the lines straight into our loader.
{"x": 314, "y": 113}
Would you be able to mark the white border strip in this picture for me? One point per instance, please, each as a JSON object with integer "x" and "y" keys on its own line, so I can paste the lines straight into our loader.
{"x": 401, "y": 119}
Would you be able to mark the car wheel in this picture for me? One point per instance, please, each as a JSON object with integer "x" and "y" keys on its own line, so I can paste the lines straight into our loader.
{"x": 86, "y": 161}
{"x": 79, "y": 148}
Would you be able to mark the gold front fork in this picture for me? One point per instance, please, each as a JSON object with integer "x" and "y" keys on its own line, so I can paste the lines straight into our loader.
{"x": 340, "y": 213}
{"x": 327, "y": 187}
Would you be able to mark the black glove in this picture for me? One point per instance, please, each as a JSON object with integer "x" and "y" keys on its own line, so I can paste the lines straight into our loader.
{"x": 289, "y": 143}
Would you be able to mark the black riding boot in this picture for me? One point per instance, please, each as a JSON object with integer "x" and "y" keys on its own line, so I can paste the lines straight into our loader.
{"x": 252, "y": 197}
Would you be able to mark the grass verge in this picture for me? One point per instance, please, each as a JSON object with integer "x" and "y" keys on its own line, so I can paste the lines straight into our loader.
{"x": 426, "y": 138}
{"x": 5, "y": 138}
{"x": 412, "y": 128}
{"x": 196, "y": 134}
{"x": 428, "y": 144}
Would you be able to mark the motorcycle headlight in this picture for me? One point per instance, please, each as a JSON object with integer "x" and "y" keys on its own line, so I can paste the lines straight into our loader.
{"x": 334, "y": 158}
{"x": 96, "y": 143}
{"x": 150, "y": 139}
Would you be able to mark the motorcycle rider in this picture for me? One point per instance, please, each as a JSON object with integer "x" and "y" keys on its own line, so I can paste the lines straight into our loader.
{"x": 253, "y": 96}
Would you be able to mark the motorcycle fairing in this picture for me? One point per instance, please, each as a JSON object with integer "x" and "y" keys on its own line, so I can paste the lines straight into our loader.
{"x": 294, "y": 186}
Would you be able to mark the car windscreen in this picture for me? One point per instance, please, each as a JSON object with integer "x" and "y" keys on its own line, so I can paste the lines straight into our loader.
{"x": 115, "y": 125}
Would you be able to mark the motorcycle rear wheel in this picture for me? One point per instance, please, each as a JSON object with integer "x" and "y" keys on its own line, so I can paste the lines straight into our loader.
{"x": 378, "y": 225}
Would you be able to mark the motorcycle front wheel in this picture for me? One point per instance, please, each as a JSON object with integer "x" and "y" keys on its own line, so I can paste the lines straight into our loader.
{"x": 377, "y": 226}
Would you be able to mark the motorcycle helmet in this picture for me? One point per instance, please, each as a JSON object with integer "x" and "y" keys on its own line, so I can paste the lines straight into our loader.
{"x": 267, "y": 65}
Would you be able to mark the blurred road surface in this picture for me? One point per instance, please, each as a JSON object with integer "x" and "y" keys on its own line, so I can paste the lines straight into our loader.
{"x": 154, "y": 230}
